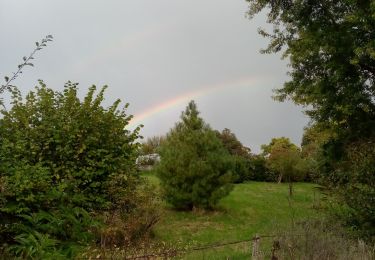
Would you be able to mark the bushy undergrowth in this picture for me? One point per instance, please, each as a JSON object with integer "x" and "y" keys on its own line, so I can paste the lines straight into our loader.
{"x": 253, "y": 169}
{"x": 352, "y": 185}
{"x": 63, "y": 163}
{"x": 127, "y": 226}
{"x": 319, "y": 239}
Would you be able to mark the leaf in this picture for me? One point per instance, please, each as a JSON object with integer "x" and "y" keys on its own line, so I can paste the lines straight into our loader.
{"x": 6, "y": 78}
{"x": 37, "y": 44}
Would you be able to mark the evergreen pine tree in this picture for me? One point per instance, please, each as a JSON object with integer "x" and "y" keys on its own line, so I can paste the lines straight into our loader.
{"x": 195, "y": 167}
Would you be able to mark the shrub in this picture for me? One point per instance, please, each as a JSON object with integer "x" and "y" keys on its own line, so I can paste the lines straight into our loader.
{"x": 195, "y": 167}
{"x": 354, "y": 184}
{"x": 259, "y": 171}
{"x": 127, "y": 228}
{"x": 318, "y": 239}
{"x": 60, "y": 161}
{"x": 242, "y": 169}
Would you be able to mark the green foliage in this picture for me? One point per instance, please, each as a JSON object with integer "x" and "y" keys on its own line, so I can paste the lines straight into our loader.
{"x": 35, "y": 246}
{"x": 151, "y": 145}
{"x": 356, "y": 187}
{"x": 232, "y": 144}
{"x": 260, "y": 171}
{"x": 285, "y": 158}
{"x": 241, "y": 155}
{"x": 319, "y": 239}
{"x": 251, "y": 208}
{"x": 242, "y": 168}
{"x": 61, "y": 160}
{"x": 331, "y": 48}
{"x": 314, "y": 140}
{"x": 133, "y": 223}
{"x": 195, "y": 167}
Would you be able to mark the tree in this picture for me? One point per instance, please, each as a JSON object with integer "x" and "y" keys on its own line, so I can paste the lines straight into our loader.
{"x": 241, "y": 155}
{"x": 61, "y": 160}
{"x": 195, "y": 167}
{"x": 232, "y": 144}
{"x": 285, "y": 158}
{"x": 314, "y": 139}
{"x": 332, "y": 58}
{"x": 356, "y": 176}
{"x": 331, "y": 49}
{"x": 151, "y": 145}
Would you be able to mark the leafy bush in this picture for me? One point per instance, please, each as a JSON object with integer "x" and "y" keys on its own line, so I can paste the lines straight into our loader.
{"x": 240, "y": 154}
{"x": 195, "y": 167}
{"x": 126, "y": 228}
{"x": 354, "y": 184}
{"x": 242, "y": 169}
{"x": 62, "y": 160}
{"x": 259, "y": 170}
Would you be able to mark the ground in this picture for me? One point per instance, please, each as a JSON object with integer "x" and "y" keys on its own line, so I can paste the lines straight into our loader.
{"x": 251, "y": 208}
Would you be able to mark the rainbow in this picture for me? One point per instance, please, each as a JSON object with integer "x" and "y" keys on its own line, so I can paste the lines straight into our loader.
{"x": 184, "y": 98}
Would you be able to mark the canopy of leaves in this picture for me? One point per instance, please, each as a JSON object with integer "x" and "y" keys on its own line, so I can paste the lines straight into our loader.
{"x": 195, "y": 167}
{"x": 331, "y": 46}
{"x": 232, "y": 144}
{"x": 284, "y": 158}
{"x": 151, "y": 145}
{"x": 356, "y": 175}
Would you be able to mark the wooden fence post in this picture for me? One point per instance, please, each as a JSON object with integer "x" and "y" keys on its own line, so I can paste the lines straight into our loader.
{"x": 255, "y": 249}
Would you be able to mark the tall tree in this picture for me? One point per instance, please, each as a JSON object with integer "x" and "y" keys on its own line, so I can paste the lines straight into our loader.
{"x": 195, "y": 167}
{"x": 331, "y": 46}
{"x": 241, "y": 155}
{"x": 232, "y": 144}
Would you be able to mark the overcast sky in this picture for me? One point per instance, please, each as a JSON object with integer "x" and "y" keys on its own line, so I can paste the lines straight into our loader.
{"x": 157, "y": 55}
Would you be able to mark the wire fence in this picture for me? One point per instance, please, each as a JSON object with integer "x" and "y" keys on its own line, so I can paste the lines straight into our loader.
{"x": 254, "y": 249}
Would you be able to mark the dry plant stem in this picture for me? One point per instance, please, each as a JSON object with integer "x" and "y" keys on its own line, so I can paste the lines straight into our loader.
{"x": 26, "y": 62}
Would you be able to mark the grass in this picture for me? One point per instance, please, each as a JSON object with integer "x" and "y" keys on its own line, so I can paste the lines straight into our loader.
{"x": 251, "y": 208}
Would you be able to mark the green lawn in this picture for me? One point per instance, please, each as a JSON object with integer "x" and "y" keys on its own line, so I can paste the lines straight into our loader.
{"x": 251, "y": 208}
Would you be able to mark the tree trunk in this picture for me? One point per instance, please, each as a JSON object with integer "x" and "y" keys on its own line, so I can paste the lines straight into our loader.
{"x": 279, "y": 178}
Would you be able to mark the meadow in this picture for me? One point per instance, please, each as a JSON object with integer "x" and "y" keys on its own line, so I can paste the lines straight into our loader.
{"x": 251, "y": 208}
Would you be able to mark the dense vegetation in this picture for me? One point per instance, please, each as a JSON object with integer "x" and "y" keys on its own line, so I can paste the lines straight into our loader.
{"x": 330, "y": 45}
{"x": 69, "y": 180}
{"x": 64, "y": 163}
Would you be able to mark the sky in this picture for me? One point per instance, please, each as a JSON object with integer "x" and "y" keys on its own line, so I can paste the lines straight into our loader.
{"x": 157, "y": 55}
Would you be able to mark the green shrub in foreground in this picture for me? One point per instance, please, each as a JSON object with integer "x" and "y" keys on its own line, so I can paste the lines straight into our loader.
{"x": 61, "y": 161}
{"x": 354, "y": 186}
